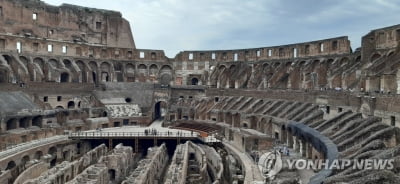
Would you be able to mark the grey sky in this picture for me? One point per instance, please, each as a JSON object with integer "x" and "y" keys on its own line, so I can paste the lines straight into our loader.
{"x": 177, "y": 25}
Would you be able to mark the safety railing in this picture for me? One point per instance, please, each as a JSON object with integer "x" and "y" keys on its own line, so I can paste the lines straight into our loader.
{"x": 99, "y": 134}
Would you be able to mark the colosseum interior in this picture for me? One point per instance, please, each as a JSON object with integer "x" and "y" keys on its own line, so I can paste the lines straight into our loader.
{"x": 79, "y": 103}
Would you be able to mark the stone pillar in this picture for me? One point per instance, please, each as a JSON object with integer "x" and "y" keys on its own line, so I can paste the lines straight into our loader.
{"x": 290, "y": 140}
{"x": 309, "y": 151}
{"x": 303, "y": 145}
{"x": 295, "y": 143}
{"x": 29, "y": 122}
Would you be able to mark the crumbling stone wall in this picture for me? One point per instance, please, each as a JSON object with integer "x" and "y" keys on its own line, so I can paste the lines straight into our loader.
{"x": 150, "y": 169}
{"x": 66, "y": 170}
{"x": 113, "y": 167}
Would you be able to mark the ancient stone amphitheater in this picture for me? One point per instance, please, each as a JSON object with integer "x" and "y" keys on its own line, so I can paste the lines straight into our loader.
{"x": 79, "y": 103}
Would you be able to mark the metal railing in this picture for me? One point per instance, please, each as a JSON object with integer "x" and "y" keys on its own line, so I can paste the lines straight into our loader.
{"x": 132, "y": 134}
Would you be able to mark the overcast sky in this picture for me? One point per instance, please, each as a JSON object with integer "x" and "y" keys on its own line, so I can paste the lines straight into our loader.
{"x": 177, "y": 25}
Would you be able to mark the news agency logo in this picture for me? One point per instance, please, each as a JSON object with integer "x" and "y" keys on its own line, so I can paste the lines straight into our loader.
{"x": 341, "y": 164}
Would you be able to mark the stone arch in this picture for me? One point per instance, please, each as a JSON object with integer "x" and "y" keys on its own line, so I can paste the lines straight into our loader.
{"x": 52, "y": 151}
{"x": 130, "y": 72}
{"x": 83, "y": 71}
{"x": 29, "y": 66}
{"x": 365, "y": 110}
{"x": 10, "y": 165}
{"x": 142, "y": 71}
{"x": 38, "y": 155}
{"x": 374, "y": 57}
{"x": 25, "y": 159}
{"x": 24, "y": 122}
{"x": 105, "y": 68}
{"x": 389, "y": 53}
{"x": 54, "y": 63}
{"x": 16, "y": 76}
{"x": 40, "y": 69}
{"x": 153, "y": 70}
{"x": 94, "y": 68}
{"x": 71, "y": 105}
{"x": 118, "y": 69}
{"x": 64, "y": 77}
{"x": 160, "y": 109}
{"x": 11, "y": 124}
{"x": 269, "y": 127}
{"x": 232, "y": 70}
{"x": 112, "y": 174}
{"x": 37, "y": 121}
{"x": 245, "y": 124}
{"x": 165, "y": 74}
{"x": 66, "y": 155}
{"x": 358, "y": 59}
{"x": 40, "y": 63}
{"x": 68, "y": 64}
{"x": 221, "y": 77}
{"x": 344, "y": 61}
{"x": 195, "y": 81}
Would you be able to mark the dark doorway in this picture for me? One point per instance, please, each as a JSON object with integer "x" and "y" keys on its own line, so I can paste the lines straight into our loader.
{"x": 160, "y": 110}
{"x": 64, "y": 77}
{"x": 71, "y": 105}
{"x": 195, "y": 81}
{"x": 94, "y": 76}
{"x": 111, "y": 173}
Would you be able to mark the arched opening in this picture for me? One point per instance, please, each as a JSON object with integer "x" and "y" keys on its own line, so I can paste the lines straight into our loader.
{"x": 3, "y": 76}
{"x": 64, "y": 77}
{"x": 38, "y": 155}
{"x": 130, "y": 73}
{"x": 128, "y": 100}
{"x": 375, "y": 57}
{"x": 71, "y": 104}
{"x": 37, "y": 121}
{"x": 160, "y": 110}
{"x": 111, "y": 173}
{"x": 53, "y": 152}
{"x": 165, "y": 74}
{"x": 66, "y": 155}
{"x": 24, "y": 122}
{"x": 10, "y": 165}
{"x": 105, "y": 114}
{"x": 24, "y": 160}
{"x": 105, "y": 77}
{"x": 195, "y": 81}
{"x": 59, "y": 107}
{"x": 11, "y": 124}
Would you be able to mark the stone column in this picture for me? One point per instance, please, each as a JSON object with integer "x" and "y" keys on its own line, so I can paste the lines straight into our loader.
{"x": 303, "y": 145}
{"x": 295, "y": 143}
{"x": 290, "y": 140}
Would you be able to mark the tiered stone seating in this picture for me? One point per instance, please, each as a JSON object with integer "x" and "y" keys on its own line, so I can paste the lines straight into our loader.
{"x": 124, "y": 110}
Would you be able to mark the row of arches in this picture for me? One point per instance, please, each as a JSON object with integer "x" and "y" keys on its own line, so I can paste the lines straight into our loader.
{"x": 24, "y": 122}
{"x": 300, "y": 74}
{"x": 15, "y": 69}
